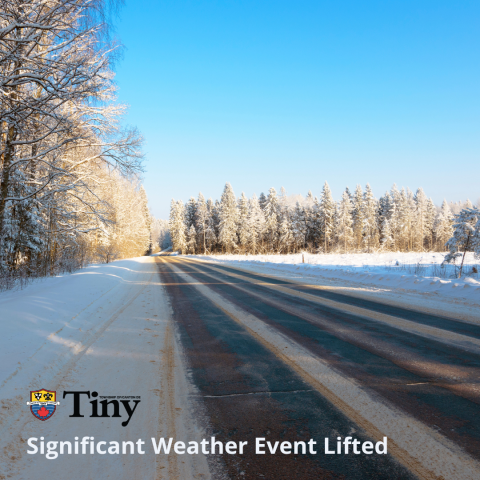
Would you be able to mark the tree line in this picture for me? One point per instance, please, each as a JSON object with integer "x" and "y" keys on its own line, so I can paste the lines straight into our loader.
{"x": 276, "y": 223}
{"x": 69, "y": 188}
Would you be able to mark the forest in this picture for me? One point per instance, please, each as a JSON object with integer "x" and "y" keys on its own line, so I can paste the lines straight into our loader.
{"x": 277, "y": 223}
{"x": 70, "y": 190}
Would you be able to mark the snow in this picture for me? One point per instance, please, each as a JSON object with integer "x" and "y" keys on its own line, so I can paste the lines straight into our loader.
{"x": 418, "y": 272}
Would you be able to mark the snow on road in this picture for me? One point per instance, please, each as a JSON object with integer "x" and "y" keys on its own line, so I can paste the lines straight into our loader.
{"x": 106, "y": 329}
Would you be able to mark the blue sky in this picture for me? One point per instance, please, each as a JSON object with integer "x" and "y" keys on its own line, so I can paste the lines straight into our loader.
{"x": 295, "y": 93}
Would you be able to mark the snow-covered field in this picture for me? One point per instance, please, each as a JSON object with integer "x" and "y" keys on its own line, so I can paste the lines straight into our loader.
{"x": 416, "y": 272}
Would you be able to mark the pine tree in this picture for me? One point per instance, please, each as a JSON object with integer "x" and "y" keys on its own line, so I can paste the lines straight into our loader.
{"x": 211, "y": 235}
{"x": 256, "y": 225}
{"x": 285, "y": 235}
{"x": 228, "y": 220}
{"x": 327, "y": 217}
{"x": 344, "y": 222}
{"x": 420, "y": 220}
{"x": 243, "y": 227}
{"x": 262, "y": 200}
{"x": 191, "y": 240}
{"x": 370, "y": 227}
{"x": 271, "y": 211}
{"x": 430, "y": 217}
{"x": 299, "y": 227}
{"x": 191, "y": 213}
{"x": 178, "y": 228}
{"x": 444, "y": 226}
{"x": 201, "y": 222}
{"x": 358, "y": 217}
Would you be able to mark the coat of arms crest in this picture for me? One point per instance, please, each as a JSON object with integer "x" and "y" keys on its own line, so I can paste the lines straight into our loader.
{"x": 43, "y": 403}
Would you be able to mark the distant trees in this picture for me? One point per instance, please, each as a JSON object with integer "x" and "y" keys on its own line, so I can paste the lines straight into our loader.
{"x": 359, "y": 222}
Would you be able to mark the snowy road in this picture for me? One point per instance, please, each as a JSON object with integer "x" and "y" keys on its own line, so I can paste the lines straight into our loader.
{"x": 287, "y": 361}
{"x": 214, "y": 350}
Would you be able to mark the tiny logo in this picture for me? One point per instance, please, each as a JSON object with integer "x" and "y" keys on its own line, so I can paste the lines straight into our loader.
{"x": 43, "y": 403}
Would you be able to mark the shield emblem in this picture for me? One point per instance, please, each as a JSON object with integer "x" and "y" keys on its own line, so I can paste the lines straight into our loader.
{"x": 43, "y": 403}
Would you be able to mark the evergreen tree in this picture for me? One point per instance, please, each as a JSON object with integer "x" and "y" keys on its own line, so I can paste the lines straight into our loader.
{"x": 421, "y": 219}
{"x": 344, "y": 222}
{"x": 178, "y": 229}
{"x": 228, "y": 220}
{"x": 444, "y": 226}
{"x": 243, "y": 227}
{"x": 358, "y": 217}
{"x": 271, "y": 219}
{"x": 370, "y": 227}
{"x": 256, "y": 225}
{"x": 191, "y": 213}
{"x": 299, "y": 227}
{"x": 262, "y": 200}
{"x": 202, "y": 222}
{"x": 191, "y": 240}
{"x": 327, "y": 217}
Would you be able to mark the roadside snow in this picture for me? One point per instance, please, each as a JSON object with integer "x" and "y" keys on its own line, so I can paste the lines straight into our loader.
{"x": 415, "y": 272}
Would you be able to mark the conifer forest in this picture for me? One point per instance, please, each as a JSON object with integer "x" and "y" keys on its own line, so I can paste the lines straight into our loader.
{"x": 276, "y": 223}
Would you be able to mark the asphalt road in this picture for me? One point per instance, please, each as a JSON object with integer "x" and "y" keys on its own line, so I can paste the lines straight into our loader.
{"x": 292, "y": 362}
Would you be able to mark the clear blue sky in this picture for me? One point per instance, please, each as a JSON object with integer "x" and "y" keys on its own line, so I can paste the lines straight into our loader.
{"x": 295, "y": 93}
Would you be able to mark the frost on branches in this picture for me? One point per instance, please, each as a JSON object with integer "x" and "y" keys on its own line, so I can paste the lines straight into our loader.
{"x": 466, "y": 236}
{"x": 63, "y": 155}
{"x": 276, "y": 223}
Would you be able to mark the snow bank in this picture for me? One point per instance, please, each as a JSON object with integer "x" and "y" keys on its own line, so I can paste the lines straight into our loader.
{"x": 420, "y": 272}
{"x": 55, "y": 311}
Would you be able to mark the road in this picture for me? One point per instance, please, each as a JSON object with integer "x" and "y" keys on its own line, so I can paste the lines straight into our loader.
{"x": 287, "y": 361}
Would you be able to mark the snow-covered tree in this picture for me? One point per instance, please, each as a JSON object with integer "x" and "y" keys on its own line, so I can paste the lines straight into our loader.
{"x": 358, "y": 216}
{"x": 256, "y": 226}
{"x": 202, "y": 222}
{"x": 228, "y": 220}
{"x": 327, "y": 217}
{"x": 191, "y": 242}
{"x": 271, "y": 210}
{"x": 299, "y": 227}
{"x": 178, "y": 229}
{"x": 243, "y": 227}
{"x": 444, "y": 225}
{"x": 344, "y": 222}
{"x": 466, "y": 236}
{"x": 369, "y": 214}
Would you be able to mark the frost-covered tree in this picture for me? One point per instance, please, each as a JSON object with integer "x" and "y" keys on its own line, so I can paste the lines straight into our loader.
{"x": 466, "y": 236}
{"x": 421, "y": 221}
{"x": 271, "y": 211}
{"x": 178, "y": 229}
{"x": 228, "y": 220}
{"x": 444, "y": 225}
{"x": 243, "y": 227}
{"x": 299, "y": 227}
{"x": 191, "y": 241}
{"x": 344, "y": 222}
{"x": 191, "y": 213}
{"x": 369, "y": 213}
{"x": 256, "y": 226}
{"x": 358, "y": 216}
{"x": 327, "y": 217}
{"x": 201, "y": 222}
